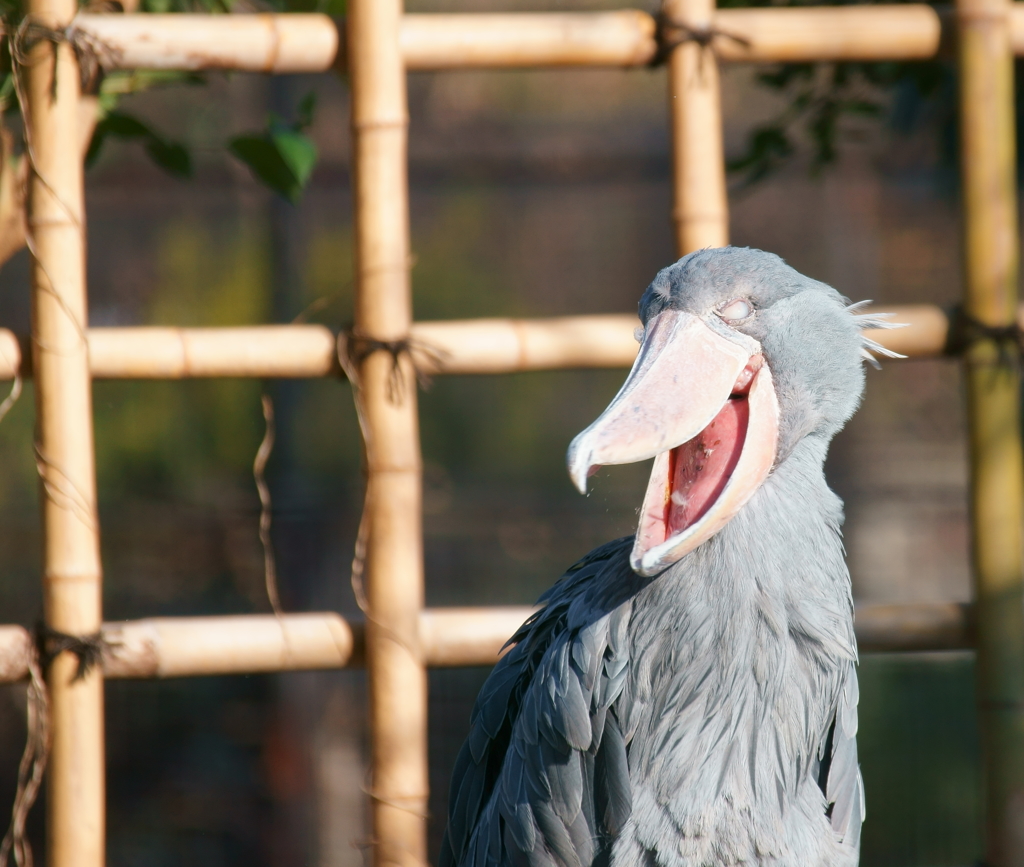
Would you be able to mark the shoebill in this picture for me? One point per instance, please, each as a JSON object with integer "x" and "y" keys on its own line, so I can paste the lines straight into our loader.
{"x": 687, "y": 696}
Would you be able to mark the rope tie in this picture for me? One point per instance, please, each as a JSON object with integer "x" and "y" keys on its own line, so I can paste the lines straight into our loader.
{"x": 259, "y": 467}
{"x": 89, "y": 649}
{"x": 965, "y": 331}
{"x": 357, "y": 348}
{"x": 671, "y": 32}
{"x": 46, "y": 645}
{"x": 89, "y": 51}
{"x": 32, "y": 766}
{"x": 348, "y": 360}
{"x": 20, "y": 40}
{"x": 353, "y": 349}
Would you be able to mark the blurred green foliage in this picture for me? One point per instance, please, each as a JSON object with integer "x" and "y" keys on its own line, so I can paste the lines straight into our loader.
{"x": 196, "y": 439}
{"x": 282, "y": 157}
{"x": 173, "y": 157}
{"x": 165, "y": 438}
{"x": 820, "y": 97}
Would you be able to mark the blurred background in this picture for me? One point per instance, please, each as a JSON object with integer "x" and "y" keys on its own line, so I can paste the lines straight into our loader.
{"x": 533, "y": 194}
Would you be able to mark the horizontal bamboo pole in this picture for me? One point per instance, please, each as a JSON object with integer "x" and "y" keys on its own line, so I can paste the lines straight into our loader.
{"x": 181, "y": 353}
{"x": 910, "y": 32}
{"x": 292, "y": 42}
{"x": 627, "y": 37}
{"x": 449, "y": 637}
{"x": 15, "y": 355}
{"x": 456, "y": 347}
{"x": 15, "y": 653}
{"x": 468, "y": 636}
{"x": 462, "y": 41}
{"x": 179, "y": 646}
{"x": 925, "y": 332}
{"x": 507, "y": 345}
{"x": 311, "y": 43}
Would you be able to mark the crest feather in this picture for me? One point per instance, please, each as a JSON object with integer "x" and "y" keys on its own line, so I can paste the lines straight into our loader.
{"x": 871, "y": 321}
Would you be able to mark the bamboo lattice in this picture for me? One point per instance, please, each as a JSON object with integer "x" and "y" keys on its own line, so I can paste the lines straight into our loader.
{"x": 399, "y": 639}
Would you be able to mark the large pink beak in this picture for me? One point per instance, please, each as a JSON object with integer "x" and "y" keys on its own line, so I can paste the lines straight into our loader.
{"x": 703, "y": 405}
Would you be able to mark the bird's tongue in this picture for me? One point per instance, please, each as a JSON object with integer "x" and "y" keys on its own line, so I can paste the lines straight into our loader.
{"x": 699, "y": 470}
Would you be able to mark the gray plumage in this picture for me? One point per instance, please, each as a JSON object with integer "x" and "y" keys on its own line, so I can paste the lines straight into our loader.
{"x": 706, "y": 716}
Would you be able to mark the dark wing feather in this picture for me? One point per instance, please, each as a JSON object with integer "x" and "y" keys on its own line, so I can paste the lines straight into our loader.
{"x": 839, "y": 774}
{"x": 543, "y": 780}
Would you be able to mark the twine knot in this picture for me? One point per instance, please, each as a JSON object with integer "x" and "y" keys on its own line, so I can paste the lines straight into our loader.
{"x": 89, "y": 649}
{"x": 671, "y": 32}
{"x": 89, "y": 51}
{"x": 965, "y": 331}
{"x": 358, "y": 347}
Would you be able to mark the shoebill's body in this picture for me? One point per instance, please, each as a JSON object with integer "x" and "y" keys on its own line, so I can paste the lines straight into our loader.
{"x": 688, "y": 697}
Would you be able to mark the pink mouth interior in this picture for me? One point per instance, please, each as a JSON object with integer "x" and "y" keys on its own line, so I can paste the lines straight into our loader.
{"x": 699, "y": 469}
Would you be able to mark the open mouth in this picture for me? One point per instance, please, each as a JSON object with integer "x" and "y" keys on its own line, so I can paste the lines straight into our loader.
{"x": 704, "y": 406}
{"x": 696, "y": 487}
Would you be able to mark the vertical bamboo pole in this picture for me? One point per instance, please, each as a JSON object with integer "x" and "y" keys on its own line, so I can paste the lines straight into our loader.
{"x": 398, "y": 686}
{"x": 700, "y": 208}
{"x": 993, "y": 403}
{"x": 71, "y": 561}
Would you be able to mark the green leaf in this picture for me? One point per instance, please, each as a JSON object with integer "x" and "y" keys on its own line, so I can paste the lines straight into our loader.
{"x": 282, "y": 157}
{"x": 298, "y": 153}
{"x": 123, "y": 126}
{"x": 171, "y": 156}
{"x": 265, "y": 161}
{"x": 283, "y": 160}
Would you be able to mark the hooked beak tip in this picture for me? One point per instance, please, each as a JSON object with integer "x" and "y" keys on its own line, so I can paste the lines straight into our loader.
{"x": 579, "y": 466}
